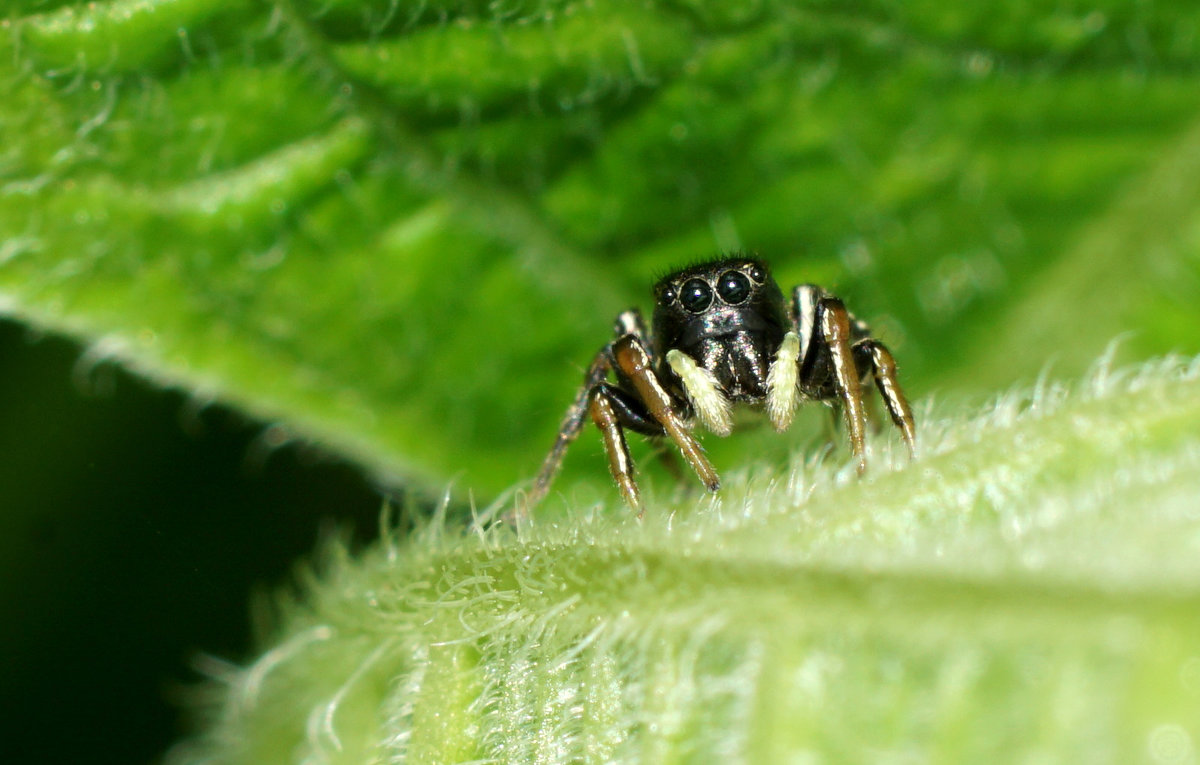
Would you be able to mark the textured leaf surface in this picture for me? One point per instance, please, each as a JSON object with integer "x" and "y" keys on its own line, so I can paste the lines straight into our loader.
{"x": 1025, "y": 592}
{"x": 403, "y": 229}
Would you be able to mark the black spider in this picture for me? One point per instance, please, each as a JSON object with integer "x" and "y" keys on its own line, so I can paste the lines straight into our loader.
{"x": 725, "y": 335}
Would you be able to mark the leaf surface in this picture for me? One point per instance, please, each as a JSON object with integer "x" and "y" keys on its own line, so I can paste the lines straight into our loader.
{"x": 1027, "y": 590}
{"x": 403, "y": 230}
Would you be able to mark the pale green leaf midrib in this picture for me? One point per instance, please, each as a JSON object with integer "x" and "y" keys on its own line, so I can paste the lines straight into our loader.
{"x": 683, "y": 589}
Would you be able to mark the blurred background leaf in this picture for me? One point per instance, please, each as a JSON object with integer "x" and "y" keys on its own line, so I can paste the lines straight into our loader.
{"x": 402, "y": 231}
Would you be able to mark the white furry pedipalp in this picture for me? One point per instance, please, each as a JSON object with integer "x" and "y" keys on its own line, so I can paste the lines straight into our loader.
{"x": 783, "y": 394}
{"x": 709, "y": 401}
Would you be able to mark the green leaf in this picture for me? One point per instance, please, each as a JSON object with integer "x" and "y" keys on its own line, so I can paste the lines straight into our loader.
{"x": 403, "y": 230}
{"x": 1027, "y": 590}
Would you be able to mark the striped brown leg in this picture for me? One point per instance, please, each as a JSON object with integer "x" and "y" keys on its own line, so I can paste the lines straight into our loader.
{"x": 632, "y": 362}
{"x": 569, "y": 430}
{"x": 619, "y": 462}
{"x": 627, "y": 323}
{"x": 883, "y": 369}
{"x": 833, "y": 322}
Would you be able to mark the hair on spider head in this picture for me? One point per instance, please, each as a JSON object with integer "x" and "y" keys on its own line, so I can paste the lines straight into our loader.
{"x": 736, "y": 256}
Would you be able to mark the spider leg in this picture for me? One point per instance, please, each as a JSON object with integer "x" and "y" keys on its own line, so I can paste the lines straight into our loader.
{"x": 619, "y": 462}
{"x": 612, "y": 410}
{"x": 631, "y": 323}
{"x": 804, "y": 311}
{"x": 833, "y": 322}
{"x": 882, "y": 367}
{"x": 570, "y": 427}
{"x": 633, "y": 363}
{"x": 627, "y": 323}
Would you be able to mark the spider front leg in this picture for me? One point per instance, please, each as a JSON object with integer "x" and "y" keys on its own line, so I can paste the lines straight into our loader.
{"x": 633, "y": 364}
{"x": 627, "y": 323}
{"x": 570, "y": 428}
{"x": 613, "y": 410}
{"x": 646, "y": 409}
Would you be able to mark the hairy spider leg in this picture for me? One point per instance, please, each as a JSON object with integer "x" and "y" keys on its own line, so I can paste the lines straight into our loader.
{"x": 871, "y": 357}
{"x": 570, "y": 427}
{"x": 614, "y": 407}
{"x": 883, "y": 369}
{"x": 619, "y": 462}
{"x": 628, "y": 323}
{"x": 633, "y": 362}
{"x": 631, "y": 322}
{"x": 804, "y": 312}
{"x": 833, "y": 322}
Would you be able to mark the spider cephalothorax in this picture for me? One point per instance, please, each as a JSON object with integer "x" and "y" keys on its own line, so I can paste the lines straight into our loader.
{"x": 723, "y": 335}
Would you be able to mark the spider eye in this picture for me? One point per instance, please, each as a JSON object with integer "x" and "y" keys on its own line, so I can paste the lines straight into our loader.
{"x": 667, "y": 295}
{"x": 758, "y": 273}
{"x": 696, "y": 295}
{"x": 733, "y": 287}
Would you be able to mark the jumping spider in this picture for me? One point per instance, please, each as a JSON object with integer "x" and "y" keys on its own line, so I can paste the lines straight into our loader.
{"x": 724, "y": 335}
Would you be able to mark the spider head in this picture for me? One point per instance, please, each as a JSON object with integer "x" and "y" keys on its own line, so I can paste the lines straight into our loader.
{"x": 717, "y": 299}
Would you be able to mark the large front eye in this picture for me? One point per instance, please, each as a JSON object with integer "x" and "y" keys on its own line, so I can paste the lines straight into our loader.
{"x": 695, "y": 295}
{"x": 733, "y": 287}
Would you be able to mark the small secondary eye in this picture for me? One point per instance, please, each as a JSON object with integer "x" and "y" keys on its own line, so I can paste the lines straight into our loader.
{"x": 667, "y": 295}
{"x": 696, "y": 295}
{"x": 734, "y": 287}
{"x": 758, "y": 273}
